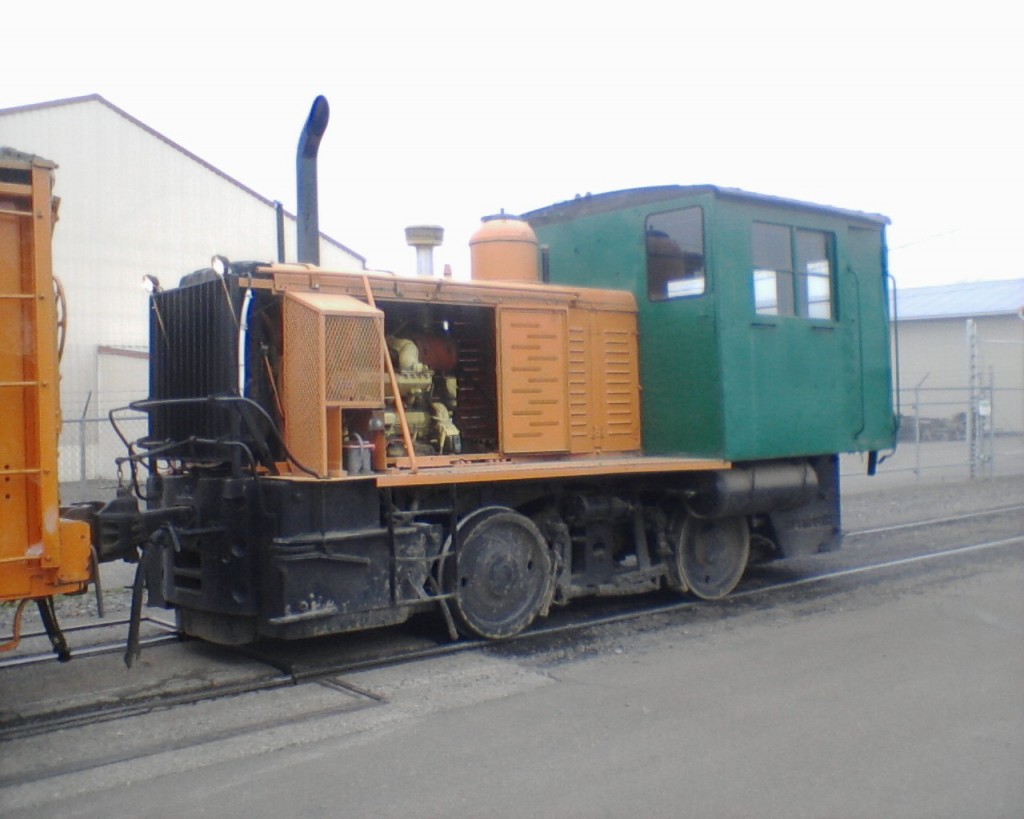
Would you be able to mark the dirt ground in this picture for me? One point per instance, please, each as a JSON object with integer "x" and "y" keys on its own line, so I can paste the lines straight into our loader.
{"x": 913, "y": 501}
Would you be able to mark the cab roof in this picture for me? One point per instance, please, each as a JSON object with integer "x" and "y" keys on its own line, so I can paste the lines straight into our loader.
{"x": 591, "y": 204}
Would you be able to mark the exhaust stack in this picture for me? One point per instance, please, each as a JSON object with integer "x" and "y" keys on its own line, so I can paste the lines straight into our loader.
{"x": 305, "y": 171}
{"x": 424, "y": 238}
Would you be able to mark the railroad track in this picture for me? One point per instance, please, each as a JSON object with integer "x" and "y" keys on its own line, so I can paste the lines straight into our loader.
{"x": 169, "y": 634}
{"x": 935, "y": 521}
{"x": 286, "y": 671}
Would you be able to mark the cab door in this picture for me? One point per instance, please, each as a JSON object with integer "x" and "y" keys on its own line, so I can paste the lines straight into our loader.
{"x": 802, "y": 359}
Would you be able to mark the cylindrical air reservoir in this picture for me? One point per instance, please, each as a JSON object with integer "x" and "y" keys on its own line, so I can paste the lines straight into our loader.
{"x": 754, "y": 489}
{"x": 504, "y": 248}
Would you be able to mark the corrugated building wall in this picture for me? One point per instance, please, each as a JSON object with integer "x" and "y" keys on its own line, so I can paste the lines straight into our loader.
{"x": 132, "y": 203}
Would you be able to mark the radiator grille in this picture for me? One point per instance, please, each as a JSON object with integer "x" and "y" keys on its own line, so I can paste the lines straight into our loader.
{"x": 193, "y": 354}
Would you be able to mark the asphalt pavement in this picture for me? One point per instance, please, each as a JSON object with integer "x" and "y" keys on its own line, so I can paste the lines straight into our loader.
{"x": 896, "y": 693}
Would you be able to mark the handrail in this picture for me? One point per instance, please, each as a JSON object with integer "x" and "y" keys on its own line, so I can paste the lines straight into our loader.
{"x": 147, "y": 404}
{"x": 390, "y": 367}
{"x": 860, "y": 350}
{"x": 895, "y": 323}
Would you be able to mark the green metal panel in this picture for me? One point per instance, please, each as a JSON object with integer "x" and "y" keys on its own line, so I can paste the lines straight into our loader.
{"x": 867, "y": 267}
{"x": 791, "y": 382}
{"x": 681, "y": 403}
{"x": 718, "y": 377}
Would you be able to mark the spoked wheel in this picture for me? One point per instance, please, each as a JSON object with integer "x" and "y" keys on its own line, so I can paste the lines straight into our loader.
{"x": 501, "y": 577}
{"x": 711, "y": 555}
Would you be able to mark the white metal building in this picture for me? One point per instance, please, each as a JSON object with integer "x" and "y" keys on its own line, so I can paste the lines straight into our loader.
{"x": 132, "y": 203}
{"x": 953, "y": 333}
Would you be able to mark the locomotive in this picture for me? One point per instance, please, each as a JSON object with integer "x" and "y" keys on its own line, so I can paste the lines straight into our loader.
{"x": 636, "y": 390}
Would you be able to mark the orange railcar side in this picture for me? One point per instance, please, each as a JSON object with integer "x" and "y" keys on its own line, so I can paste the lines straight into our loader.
{"x": 41, "y": 553}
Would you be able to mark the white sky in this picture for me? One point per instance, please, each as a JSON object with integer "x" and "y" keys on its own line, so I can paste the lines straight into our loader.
{"x": 444, "y": 112}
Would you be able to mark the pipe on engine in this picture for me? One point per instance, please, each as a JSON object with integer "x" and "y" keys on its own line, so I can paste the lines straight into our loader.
{"x": 305, "y": 173}
{"x": 749, "y": 490}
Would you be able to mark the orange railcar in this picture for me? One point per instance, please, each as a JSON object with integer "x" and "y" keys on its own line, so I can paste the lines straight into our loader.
{"x": 41, "y": 552}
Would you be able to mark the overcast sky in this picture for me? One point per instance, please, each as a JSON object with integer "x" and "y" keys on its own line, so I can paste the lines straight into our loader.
{"x": 444, "y": 112}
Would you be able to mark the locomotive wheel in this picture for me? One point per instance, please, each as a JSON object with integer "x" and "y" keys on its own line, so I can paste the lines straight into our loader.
{"x": 501, "y": 577}
{"x": 711, "y": 555}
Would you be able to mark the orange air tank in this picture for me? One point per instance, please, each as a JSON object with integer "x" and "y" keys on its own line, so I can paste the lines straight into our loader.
{"x": 504, "y": 248}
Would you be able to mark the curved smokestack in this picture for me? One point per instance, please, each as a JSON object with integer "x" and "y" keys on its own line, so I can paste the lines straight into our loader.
{"x": 305, "y": 171}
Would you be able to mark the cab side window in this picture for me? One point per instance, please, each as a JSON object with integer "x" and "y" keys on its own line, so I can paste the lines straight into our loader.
{"x": 792, "y": 273}
{"x": 675, "y": 254}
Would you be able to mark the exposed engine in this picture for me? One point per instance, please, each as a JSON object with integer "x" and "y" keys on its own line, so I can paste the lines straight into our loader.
{"x": 422, "y": 363}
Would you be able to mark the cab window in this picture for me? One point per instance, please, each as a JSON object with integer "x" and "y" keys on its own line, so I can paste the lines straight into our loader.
{"x": 792, "y": 273}
{"x": 675, "y": 254}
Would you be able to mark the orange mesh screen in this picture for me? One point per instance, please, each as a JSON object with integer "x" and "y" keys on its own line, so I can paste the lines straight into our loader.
{"x": 354, "y": 363}
{"x": 303, "y": 386}
{"x": 333, "y": 358}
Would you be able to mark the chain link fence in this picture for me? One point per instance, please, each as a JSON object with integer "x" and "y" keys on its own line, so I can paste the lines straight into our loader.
{"x": 968, "y": 421}
{"x": 945, "y": 434}
{"x": 89, "y": 449}
{"x": 955, "y": 433}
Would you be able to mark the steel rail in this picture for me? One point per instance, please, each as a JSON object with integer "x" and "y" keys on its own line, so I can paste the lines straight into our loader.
{"x": 325, "y": 674}
{"x": 102, "y": 712}
{"x": 92, "y": 714}
{"x": 118, "y": 757}
{"x": 934, "y": 521}
{"x": 99, "y": 649}
{"x": 582, "y": 623}
{"x": 172, "y": 635}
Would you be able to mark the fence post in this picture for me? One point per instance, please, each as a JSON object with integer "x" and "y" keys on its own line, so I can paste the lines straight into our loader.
{"x": 917, "y": 432}
{"x": 990, "y": 425}
{"x": 972, "y": 398}
{"x": 917, "y": 426}
{"x": 82, "y": 465}
{"x": 80, "y": 423}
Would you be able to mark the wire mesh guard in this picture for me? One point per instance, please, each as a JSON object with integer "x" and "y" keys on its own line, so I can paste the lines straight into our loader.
{"x": 333, "y": 359}
{"x": 352, "y": 365}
